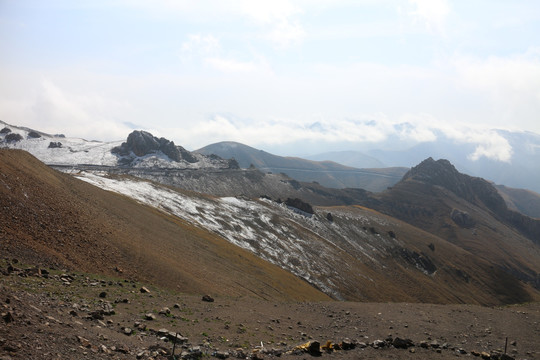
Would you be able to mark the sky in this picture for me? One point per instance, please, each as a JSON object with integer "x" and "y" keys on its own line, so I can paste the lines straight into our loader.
{"x": 275, "y": 75}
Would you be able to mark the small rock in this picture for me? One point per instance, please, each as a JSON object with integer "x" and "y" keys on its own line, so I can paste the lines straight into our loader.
{"x": 128, "y": 331}
{"x": 84, "y": 342}
{"x": 150, "y": 316}
{"x": 123, "y": 349}
{"x": 207, "y": 298}
{"x": 165, "y": 311}
{"x": 347, "y": 344}
{"x": 103, "y": 294}
{"x": 400, "y": 343}
{"x": 144, "y": 290}
{"x": 221, "y": 354}
{"x": 314, "y": 348}
{"x": 8, "y": 317}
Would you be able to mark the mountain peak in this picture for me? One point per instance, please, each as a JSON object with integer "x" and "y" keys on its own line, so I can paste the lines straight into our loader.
{"x": 440, "y": 172}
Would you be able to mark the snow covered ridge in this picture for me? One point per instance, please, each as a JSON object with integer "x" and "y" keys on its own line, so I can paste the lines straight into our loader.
{"x": 61, "y": 150}
{"x": 312, "y": 248}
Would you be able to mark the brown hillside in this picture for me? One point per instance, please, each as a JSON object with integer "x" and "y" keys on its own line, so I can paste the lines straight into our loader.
{"x": 467, "y": 212}
{"x": 421, "y": 268}
{"x": 525, "y": 201}
{"x": 51, "y": 218}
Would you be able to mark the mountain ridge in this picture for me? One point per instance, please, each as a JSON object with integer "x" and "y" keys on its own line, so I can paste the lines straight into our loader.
{"x": 327, "y": 173}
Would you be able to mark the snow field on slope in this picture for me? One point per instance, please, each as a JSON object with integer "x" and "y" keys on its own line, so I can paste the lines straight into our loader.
{"x": 310, "y": 248}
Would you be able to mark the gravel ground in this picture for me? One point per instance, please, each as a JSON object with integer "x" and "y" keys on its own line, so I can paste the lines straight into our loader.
{"x": 59, "y": 315}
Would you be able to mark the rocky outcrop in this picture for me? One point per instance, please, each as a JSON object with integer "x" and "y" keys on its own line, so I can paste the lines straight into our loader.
{"x": 462, "y": 218}
{"x": 12, "y": 137}
{"x": 300, "y": 205}
{"x": 55, "y": 145}
{"x": 34, "y": 135}
{"x": 143, "y": 143}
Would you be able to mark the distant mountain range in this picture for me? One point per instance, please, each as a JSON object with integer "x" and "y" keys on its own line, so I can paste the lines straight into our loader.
{"x": 327, "y": 173}
{"x": 522, "y": 170}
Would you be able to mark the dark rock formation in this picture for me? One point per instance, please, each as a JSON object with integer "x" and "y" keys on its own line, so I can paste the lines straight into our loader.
{"x": 300, "y": 205}
{"x": 207, "y": 298}
{"x": 233, "y": 164}
{"x": 142, "y": 143}
{"x": 34, "y": 135}
{"x": 12, "y": 137}
{"x": 55, "y": 145}
{"x": 5, "y": 130}
{"x": 400, "y": 343}
{"x": 329, "y": 217}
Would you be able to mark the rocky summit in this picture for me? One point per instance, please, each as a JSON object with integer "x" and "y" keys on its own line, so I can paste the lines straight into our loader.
{"x": 142, "y": 143}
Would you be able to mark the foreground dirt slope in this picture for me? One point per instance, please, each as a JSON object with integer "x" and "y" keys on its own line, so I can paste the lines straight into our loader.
{"x": 49, "y": 218}
{"x": 71, "y": 315}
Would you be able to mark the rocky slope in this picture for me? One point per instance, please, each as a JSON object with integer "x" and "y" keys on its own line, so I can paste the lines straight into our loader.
{"x": 52, "y": 313}
{"x": 353, "y": 254}
{"x": 466, "y": 211}
{"x": 51, "y": 218}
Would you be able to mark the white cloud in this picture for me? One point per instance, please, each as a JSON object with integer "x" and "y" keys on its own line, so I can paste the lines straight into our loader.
{"x": 278, "y": 17}
{"x": 432, "y": 13}
{"x": 94, "y": 117}
{"x": 508, "y": 86}
{"x": 287, "y": 33}
{"x": 230, "y": 65}
{"x": 198, "y": 45}
{"x": 489, "y": 143}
